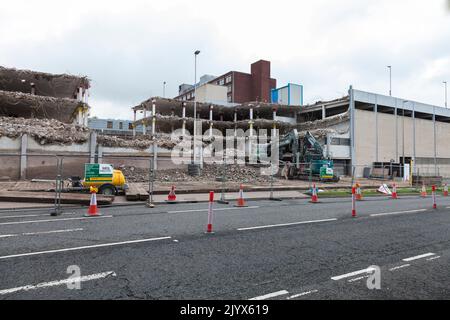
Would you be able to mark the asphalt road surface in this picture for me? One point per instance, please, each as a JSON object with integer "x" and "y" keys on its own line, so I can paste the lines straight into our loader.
{"x": 270, "y": 250}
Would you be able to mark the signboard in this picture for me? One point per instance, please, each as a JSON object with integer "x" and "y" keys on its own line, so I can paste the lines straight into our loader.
{"x": 97, "y": 172}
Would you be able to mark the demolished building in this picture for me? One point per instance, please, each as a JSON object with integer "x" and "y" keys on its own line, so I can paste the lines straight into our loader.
{"x": 31, "y": 94}
{"x": 360, "y": 131}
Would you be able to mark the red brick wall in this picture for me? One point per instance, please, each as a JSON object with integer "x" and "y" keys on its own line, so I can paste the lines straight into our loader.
{"x": 243, "y": 87}
{"x": 262, "y": 83}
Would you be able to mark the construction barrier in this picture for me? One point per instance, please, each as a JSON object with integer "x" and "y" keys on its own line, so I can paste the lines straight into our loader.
{"x": 423, "y": 193}
{"x": 240, "y": 200}
{"x": 172, "y": 197}
{"x": 93, "y": 209}
{"x": 433, "y": 193}
{"x": 314, "y": 197}
{"x": 394, "y": 192}
{"x": 353, "y": 202}
{"x": 209, "y": 228}
{"x": 359, "y": 196}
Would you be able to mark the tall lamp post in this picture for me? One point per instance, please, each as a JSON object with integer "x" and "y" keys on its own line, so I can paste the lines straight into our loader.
{"x": 196, "y": 53}
{"x": 445, "y": 85}
{"x": 390, "y": 80}
{"x": 164, "y": 89}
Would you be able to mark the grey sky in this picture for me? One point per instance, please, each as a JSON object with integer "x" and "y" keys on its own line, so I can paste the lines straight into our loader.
{"x": 129, "y": 48}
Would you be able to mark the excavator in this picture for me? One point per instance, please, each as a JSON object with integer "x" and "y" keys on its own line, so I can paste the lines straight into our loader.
{"x": 304, "y": 158}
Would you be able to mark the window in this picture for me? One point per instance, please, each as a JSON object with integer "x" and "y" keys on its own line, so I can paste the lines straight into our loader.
{"x": 229, "y": 98}
{"x": 229, "y": 88}
{"x": 109, "y": 125}
{"x": 130, "y": 126}
{"x": 120, "y": 125}
{"x": 228, "y": 80}
{"x": 221, "y": 82}
{"x": 340, "y": 141}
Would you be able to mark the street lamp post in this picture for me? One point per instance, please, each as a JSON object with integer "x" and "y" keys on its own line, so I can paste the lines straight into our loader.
{"x": 445, "y": 84}
{"x": 196, "y": 53}
{"x": 164, "y": 89}
{"x": 390, "y": 80}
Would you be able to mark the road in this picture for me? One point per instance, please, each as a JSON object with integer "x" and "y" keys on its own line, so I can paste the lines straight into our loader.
{"x": 269, "y": 250}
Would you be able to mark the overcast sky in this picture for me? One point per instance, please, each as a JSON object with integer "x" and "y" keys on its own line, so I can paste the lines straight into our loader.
{"x": 129, "y": 48}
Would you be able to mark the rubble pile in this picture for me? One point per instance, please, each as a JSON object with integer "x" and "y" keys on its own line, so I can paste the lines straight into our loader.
{"x": 234, "y": 173}
{"x": 44, "y": 131}
{"x": 140, "y": 142}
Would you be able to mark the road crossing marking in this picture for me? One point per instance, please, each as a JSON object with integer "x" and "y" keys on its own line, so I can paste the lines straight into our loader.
{"x": 60, "y": 282}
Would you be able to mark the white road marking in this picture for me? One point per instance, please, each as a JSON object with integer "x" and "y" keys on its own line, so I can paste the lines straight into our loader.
{"x": 39, "y": 233}
{"x": 33, "y": 215}
{"x": 433, "y": 258}
{"x": 271, "y": 295}
{"x": 357, "y": 279}
{"x": 400, "y": 267}
{"x": 53, "y": 220}
{"x": 397, "y": 212}
{"x": 351, "y": 274}
{"x": 419, "y": 257}
{"x": 302, "y": 294}
{"x": 60, "y": 282}
{"x": 206, "y": 210}
{"x": 286, "y": 224}
{"x": 83, "y": 247}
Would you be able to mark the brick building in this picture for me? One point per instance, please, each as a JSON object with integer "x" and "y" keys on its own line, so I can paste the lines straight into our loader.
{"x": 241, "y": 87}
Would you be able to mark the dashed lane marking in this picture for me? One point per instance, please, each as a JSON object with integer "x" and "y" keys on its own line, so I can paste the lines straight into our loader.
{"x": 433, "y": 258}
{"x": 60, "y": 282}
{"x": 206, "y": 210}
{"x": 397, "y": 212}
{"x": 351, "y": 274}
{"x": 302, "y": 294}
{"x": 357, "y": 279}
{"x": 400, "y": 267}
{"x": 271, "y": 295}
{"x": 33, "y": 215}
{"x": 426, "y": 255}
{"x": 286, "y": 224}
{"x": 53, "y": 220}
{"x": 39, "y": 233}
{"x": 83, "y": 247}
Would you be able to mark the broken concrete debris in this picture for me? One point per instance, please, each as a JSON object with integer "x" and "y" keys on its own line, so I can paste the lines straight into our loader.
{"x": 234, "y": 173}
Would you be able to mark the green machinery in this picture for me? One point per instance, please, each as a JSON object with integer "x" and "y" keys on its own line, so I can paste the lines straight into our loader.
{"x": 305, "y": 158}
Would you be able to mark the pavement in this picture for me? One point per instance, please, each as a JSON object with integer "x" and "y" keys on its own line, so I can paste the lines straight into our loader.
{"x": 287, "y": 250}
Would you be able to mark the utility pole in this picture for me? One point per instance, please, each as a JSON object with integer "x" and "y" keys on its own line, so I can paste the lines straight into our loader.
{"x": 390, "y": 80}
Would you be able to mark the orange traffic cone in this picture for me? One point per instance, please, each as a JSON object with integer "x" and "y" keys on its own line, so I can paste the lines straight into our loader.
{"x": 394, "y": 192}
{"x": 240, "y": 200}
{"x": 314, "y": 197}
{"x": 358, "y": 195}
{"x": 93, "y": 209}
{"x": 423, "y": 194}
{"x": 445, "y": 190}
{"x": 172, "y": 197}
